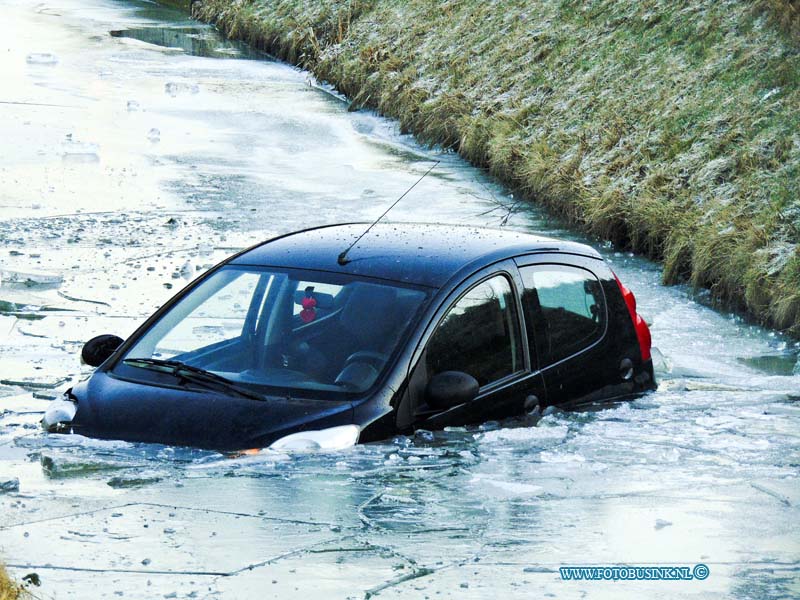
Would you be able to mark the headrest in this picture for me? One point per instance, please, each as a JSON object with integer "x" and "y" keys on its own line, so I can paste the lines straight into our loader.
{"x": 368, "y": 313}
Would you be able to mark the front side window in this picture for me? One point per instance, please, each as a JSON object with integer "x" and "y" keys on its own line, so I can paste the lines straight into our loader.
{"x": 564, "y": 310}
{"x": 479, "y": 335}
{"x": 298, "y": 330}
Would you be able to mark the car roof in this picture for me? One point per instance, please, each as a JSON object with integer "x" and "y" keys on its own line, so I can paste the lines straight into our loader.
{"x": 415, "y": 253}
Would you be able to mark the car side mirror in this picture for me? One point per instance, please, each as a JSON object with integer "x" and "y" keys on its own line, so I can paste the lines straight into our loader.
{"x": 450, "y": 388}
{"x": 97, "y": 350}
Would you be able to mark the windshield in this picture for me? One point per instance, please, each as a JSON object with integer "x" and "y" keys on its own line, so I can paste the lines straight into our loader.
{"x": 302, "y": 331}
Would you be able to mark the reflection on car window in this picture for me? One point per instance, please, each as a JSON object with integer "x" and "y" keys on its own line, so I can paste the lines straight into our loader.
{"x": 220, "y": 317}
{"x": 564, "y": 310}
{"x": 303, "y": 331}
{"x": 479, "y": 335}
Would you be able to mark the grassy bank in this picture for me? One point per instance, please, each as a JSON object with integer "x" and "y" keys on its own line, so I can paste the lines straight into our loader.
{"x": 668, "y": 128}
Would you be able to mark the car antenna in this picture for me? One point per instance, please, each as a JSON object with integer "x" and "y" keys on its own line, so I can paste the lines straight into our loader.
{"x": 343, "y": 260}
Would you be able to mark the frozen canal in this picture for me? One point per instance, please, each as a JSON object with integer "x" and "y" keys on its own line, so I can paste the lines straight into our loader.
{"x": 136, "y": 149}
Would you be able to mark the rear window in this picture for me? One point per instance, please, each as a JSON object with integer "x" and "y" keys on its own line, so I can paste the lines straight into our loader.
{"x": 565, "y": 310}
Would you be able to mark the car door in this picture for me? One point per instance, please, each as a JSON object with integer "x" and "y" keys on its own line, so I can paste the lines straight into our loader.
{"x": 478, "y": 331}
{"x": 566, "y": 316}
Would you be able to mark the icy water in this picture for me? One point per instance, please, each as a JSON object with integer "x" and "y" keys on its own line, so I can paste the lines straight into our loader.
{"x": 136, "y": 150}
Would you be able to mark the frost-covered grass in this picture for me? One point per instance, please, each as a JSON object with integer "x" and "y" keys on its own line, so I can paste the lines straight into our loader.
{"x": 669, "y": 128}
{"x": 785, "y": 14}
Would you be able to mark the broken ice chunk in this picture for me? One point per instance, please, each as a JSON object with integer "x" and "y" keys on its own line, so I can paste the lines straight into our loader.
{"x": 538, "y": 434}
{"x": 80, "y": 152}
{"x": 33, "y": 384}
{"x": 498, "y": 487}
{"x": 62, "y": 466}
{"x": 124, "y": 481}
{"x": 30, "y": 278}
{"x": 154, "y": 135}
{"x": 186, "y": 270}
{"x": 41, "y": 58}
{"x": 173, "y": 88}
{"x": 9, "y": 485}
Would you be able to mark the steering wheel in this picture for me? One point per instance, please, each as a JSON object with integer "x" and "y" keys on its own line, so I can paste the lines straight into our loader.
{"x": 374, "y": 359}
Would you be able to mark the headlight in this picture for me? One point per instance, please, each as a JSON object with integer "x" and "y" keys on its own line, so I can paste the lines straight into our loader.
{"x": 334, "y": 438}
{"x": 59, "y": 415}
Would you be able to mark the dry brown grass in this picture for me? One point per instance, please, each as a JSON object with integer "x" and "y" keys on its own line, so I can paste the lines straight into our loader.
{"x": 9, "y": 589}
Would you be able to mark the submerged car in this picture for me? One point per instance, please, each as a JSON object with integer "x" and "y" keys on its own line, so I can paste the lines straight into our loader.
{"x": 414, "y": 326}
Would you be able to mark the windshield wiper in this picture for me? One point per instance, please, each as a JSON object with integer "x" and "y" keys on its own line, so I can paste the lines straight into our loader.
{"x": 192, "y": 374}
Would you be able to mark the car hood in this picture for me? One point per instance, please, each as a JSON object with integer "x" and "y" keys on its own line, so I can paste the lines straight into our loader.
{"x": 113, "y": 408}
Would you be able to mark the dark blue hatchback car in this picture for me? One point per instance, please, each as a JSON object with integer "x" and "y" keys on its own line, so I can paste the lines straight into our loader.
{"x": 420, "y": 326}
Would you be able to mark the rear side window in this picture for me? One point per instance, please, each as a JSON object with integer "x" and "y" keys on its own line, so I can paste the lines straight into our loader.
{"x": 564, "y": 308}
{"x": 324, "y": 295}
{"x": 479, "y": 335}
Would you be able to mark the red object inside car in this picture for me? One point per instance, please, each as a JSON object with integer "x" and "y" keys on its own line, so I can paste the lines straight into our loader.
{"x": 309, "y": 312}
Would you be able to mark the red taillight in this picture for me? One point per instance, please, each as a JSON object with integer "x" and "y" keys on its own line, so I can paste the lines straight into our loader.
{"x": 642, "y": 330}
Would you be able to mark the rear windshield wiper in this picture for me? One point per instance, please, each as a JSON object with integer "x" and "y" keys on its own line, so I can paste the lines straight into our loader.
{"x": 192, "y": 374}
